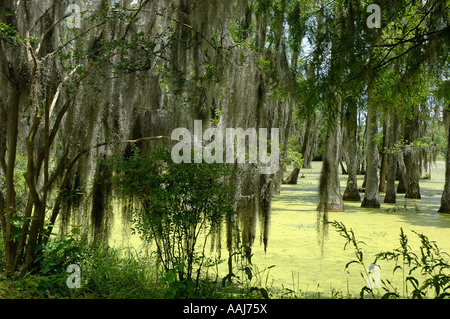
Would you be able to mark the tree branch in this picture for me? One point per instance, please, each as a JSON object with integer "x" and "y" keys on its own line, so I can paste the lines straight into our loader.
{"x": 134, "y": 17}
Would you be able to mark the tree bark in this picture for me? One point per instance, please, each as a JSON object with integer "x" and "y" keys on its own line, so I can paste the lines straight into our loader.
{"x": 412, "y": 163}
{"x": 445, "y": 199}
{"x": 401, "y": 188}
{"x": 293, "y": 177}
{"x": 413, "y": 175}
{"x": 8, "y": 210}
{"x": 306, "y": 146}
{"x": 391, "y": 159}
{"x": 329, "y": 187}
{"x": 351, "y": 192}
{"x": 383, "y": 167}
{"x": 361, "y": 138}
{"x": 371, "y": 194}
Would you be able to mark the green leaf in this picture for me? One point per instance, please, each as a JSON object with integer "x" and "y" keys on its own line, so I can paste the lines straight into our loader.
{"x": 16, "y": 233}
{"x": 397, "y": 267}
{"x": 390, "y": 294}
{"x": 45, "y": 269}
{"x": 248, "y": 272}
{"x": 264, "y": 293}
{"x": 365, "y": 288}
{"x": 413, "y": 281}
{"x": 351, "y": 262}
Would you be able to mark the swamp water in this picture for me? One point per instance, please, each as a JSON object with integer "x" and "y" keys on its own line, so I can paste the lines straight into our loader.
{"x": 309, "y": 257}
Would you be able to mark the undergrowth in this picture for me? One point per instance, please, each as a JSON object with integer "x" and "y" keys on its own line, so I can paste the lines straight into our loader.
{"x": 110, "y": 273}
{"x": 424, "y": 272}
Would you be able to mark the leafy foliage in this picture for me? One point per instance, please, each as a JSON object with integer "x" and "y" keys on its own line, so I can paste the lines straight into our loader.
{"x": 430, "y": 263}
{"x": 295, "y": 158}
{"x": 181, "y": 205}
{"x": 244, "y": 276}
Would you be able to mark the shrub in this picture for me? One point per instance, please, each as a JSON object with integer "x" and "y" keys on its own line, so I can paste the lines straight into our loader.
{"x": 428, "y": 264}
{"x": 295, "y": 158}
{"x": 181, "y": 205}
{"x": 105, "y": 273}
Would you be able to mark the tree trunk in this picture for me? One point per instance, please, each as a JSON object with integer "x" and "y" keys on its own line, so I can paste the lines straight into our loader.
{"x": 413, "y": 175}
{"x": 445, "y": 199}
{"x": 362, "y": 149}
{"x": 305, "y": 151}
{"x": 308, "y": 149}
{"x": 371, "y": 194}
{"x": 351, "y": 192}
{"x": 293, "y": 177}
{"x": 10, "y": 139}
{"x": 307, "y": 141}
{"x": 412, "y": 163}
{"x": 391, "y": 159}
{"x": 329, "y": 187}
{"x": 401, "y": 188}
{"x": 383, "y": 167}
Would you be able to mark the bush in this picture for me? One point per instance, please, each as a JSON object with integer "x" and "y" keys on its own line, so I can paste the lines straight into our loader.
{"x": 295, "y": 158}
{"x": 432, "y": 265}
{"x": 105, "y": 273}
{"x": 428, "y": 263}
{"x": 181, "y": 205}
{"x": 48, "y": 275}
